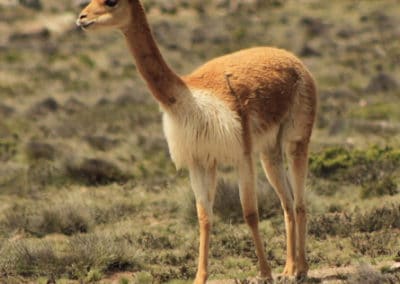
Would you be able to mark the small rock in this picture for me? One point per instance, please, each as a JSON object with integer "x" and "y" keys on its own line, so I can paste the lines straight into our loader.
{"x": 39, "y": 150}
{"x": 33, "y": 4}
{"x": 346, "y": 33}
{"x": 309, "y": 51}
{"x": 101, "y": 143}
{"x": 103, "y": 102}
{"x": 314, "y": 26}
{"x": 6, "y": 111}
{"x": 395, "y": 267}
{"x": 168, "y": 7}
{"x": 73, "y": 105}
{"x": 382, "y": 82}
{"x": 128, "y": 99}
{"x": 96, "y": 172}
{"x": 44, "y": 107}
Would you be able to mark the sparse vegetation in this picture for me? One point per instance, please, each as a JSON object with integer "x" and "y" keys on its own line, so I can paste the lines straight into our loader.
{"x": 87, "y": 189}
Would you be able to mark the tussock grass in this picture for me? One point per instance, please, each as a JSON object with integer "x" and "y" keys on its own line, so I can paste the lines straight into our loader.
{"x": 96, "y": 172}
{"x": 365, "y": 274}
{"x": 82, "y": 256}
{"x": 227, "y": 204}
{"x": 66, "y": 213}
{"x": 347, "y": 223}
{"x": 375, "y": 244}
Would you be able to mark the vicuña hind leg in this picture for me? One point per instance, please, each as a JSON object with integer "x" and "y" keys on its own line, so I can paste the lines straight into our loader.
{"x": 203, "y": 181}
{"x": 297, "y": 156}
{"x": 248, "y": 199}
{"x": 272, "y": 161}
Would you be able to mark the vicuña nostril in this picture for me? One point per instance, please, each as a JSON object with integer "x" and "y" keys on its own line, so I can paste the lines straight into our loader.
{"x": 83, "y": 16}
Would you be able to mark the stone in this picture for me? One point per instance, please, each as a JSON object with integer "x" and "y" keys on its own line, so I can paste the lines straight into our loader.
{"x": 382, "y": 82}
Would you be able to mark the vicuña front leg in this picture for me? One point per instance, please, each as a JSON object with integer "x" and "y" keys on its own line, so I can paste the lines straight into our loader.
{"x": 203, "y": 180}
{"x": 248, "y": 198}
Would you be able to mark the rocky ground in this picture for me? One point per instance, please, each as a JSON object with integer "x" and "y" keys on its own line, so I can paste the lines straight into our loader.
{"x": 88, "y": 192}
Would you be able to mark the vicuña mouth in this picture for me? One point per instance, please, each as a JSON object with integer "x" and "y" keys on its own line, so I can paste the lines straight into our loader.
{"x": 85, "y": 25}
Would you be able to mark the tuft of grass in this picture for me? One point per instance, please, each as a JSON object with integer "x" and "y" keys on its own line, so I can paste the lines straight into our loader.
{"x": 227, "y": 204}
{"x": 94, "y": 275}
{"x": 385, "y": 186}
{"x": 379, "y": 218}
{"x": 81, "y": 257}
{"x": 142, "y": 278}
{"x": 106, "y": 253}
{"x": 346, "y": 223}
{"x": 374, "y": 244}
{"x": 27, "y": 258}
{"x": 381, "y": 111}
{"x": 96, "y": 172}
{"x": 335, "y": 224}
{"x": 66, "y": 218}
{"x": 365, "y": 274}
{"x": 8, "y": 149}
{"x": 68, "y": 213}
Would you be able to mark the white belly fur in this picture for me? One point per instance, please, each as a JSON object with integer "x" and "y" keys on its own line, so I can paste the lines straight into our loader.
{"x": 202, "y": 129}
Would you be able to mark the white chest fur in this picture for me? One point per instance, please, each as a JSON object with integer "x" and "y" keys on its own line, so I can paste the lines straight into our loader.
{"x": 202, "y": 129}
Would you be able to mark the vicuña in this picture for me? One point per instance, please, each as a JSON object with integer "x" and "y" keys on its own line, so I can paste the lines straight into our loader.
{"x": 255, "y": 102}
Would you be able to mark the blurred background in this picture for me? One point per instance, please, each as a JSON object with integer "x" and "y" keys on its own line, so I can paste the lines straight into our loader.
{"x": 87, "y": 189}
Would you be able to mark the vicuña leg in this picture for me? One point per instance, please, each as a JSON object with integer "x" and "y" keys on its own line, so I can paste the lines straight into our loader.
{"x": 203, "y": 181}
{"x": 248, "y": 199}
{"x": 272, "y": 161}
{"x": 297, "y": 156}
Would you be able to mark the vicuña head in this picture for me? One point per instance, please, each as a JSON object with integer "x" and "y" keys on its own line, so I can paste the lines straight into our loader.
{"x": 105, "y": 13}
{"x": 255, "y": 103}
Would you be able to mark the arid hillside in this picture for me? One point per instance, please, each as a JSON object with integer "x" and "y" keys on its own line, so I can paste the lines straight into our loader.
{"x": 88, "y": 192}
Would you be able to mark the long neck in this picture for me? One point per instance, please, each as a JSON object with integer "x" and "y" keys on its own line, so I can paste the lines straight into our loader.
{"x": 161, "y": 80}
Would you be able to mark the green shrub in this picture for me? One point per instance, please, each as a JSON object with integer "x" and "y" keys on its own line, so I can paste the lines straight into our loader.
{"x": 339, "y": 163}
{"x": 374, "y": 169}
{"x": 330, "y": 161}
{"x": 94, "y": 275}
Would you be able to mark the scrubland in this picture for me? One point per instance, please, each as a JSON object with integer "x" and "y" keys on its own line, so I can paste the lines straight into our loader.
{"x": 88, "y": 192}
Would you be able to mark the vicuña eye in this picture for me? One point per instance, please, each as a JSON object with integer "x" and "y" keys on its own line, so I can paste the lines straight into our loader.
{"x": 111, "y": 3}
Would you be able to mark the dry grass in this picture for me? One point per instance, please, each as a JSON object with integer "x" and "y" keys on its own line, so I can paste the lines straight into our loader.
{"x": 86, "y": 185}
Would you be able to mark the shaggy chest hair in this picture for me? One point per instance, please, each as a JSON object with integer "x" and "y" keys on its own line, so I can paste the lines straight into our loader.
{"x": 202, "y": 129}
